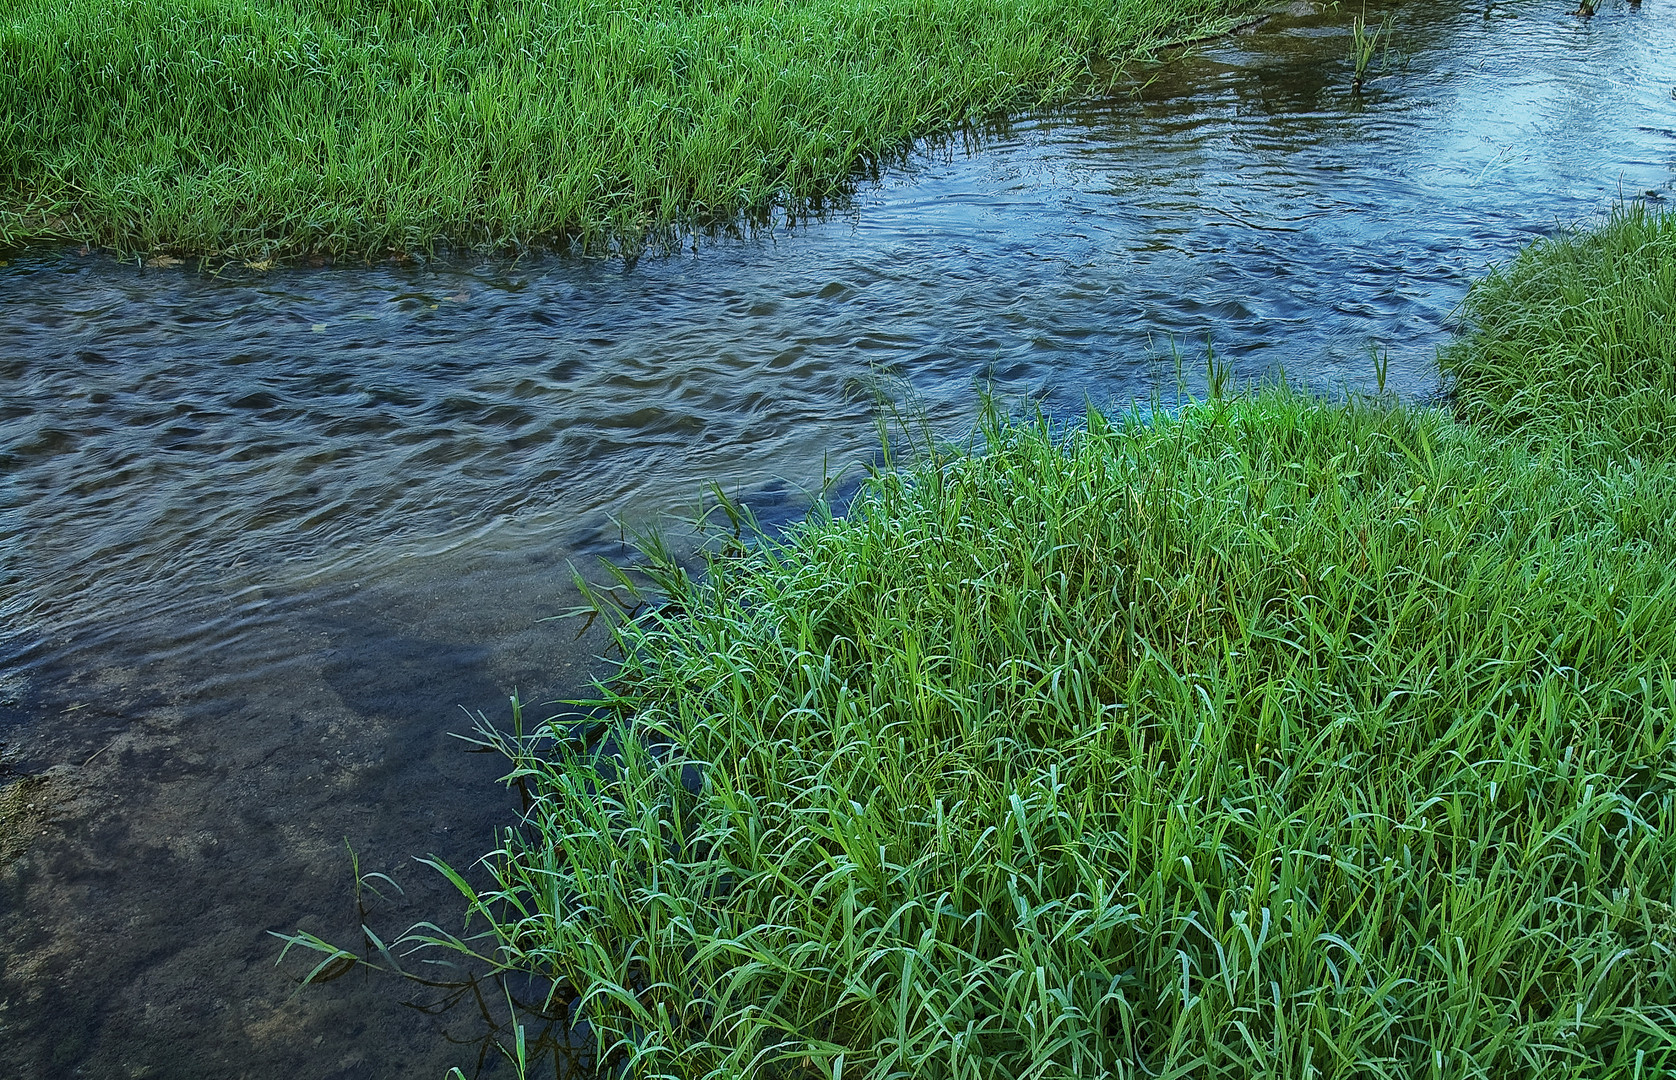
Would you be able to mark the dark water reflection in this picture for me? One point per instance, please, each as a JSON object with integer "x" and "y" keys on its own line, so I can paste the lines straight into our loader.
{"x": 263, "y": 535}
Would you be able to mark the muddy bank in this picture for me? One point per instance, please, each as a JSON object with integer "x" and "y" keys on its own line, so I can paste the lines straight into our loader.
{"x": 27, "y": 806}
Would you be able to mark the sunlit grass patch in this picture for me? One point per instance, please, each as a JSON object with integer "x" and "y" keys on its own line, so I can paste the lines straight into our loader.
{"x": 1573, "y": 344}
{"x": 279, "y": 127}
{"x": 1274, "y": 739}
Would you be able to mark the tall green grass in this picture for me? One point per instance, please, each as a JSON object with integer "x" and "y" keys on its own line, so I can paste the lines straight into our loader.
{"x": 1274, "y": 739}
{"x": 1363, "y": 45}
{"x": 1572, "y": 346}
{"x": 262, "y": 127}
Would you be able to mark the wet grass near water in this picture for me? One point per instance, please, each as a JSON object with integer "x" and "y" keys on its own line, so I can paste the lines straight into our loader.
{"x": 1271, "y": 738}
{"x": 1574, "y": 343}
{"x": 263, "y": 128}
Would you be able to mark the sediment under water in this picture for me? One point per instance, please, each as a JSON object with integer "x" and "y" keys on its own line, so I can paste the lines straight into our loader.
{"x": 264, "y": 538}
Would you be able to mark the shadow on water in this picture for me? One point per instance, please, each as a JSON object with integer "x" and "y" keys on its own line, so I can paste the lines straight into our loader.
{"x": 266, "y": 540}
{"x": 380, "y": 672}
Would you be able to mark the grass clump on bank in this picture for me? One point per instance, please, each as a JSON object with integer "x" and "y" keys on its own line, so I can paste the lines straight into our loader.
{"x": 357, "y": 126}
{"x": 1573, "y": 344}
{"x": 1275, "y": 739}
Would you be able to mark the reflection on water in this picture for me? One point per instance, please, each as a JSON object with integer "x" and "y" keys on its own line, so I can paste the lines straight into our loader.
{"x": 263, "y": 536}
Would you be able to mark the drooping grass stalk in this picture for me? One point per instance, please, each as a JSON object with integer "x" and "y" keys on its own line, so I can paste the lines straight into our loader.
{"x": 261, "y": 127}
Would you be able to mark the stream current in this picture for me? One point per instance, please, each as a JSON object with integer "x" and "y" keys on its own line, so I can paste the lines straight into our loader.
{"x": 266, "y": 537}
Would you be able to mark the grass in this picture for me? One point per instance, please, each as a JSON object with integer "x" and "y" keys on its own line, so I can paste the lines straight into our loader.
{"x": 263, "y": 128}
{"x": 1275, "y": 738}
{"x": 1364, "y": 44}
{"x": 1573, "y": 344}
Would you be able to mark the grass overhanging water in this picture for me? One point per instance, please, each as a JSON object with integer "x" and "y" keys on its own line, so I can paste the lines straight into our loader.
{"x": 1271, "y": 738}
{"x": 263, "y": 128}
{"x": 1573, "y": 343}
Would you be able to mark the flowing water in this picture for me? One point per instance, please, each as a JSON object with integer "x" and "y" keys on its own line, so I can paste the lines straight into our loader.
{"x": 264, "y": 537}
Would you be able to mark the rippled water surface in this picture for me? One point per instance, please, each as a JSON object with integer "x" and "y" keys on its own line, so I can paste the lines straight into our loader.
{"x": 263, "y": 536}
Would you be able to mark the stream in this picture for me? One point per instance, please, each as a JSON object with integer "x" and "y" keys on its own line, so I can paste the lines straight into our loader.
{"x": 268, "y": 540}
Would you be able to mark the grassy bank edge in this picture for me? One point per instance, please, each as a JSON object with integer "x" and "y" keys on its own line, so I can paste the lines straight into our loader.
{"x": 277, "y": 128}
{"x": 1275, "y": 737}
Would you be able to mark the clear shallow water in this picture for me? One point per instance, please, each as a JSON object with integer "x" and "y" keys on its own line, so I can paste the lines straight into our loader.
{"x": 263, "y": 535}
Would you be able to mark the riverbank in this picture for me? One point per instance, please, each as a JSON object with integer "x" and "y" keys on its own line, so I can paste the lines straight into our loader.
{"x": 272, "y": 128}
{"x": 1269, "y": 738}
